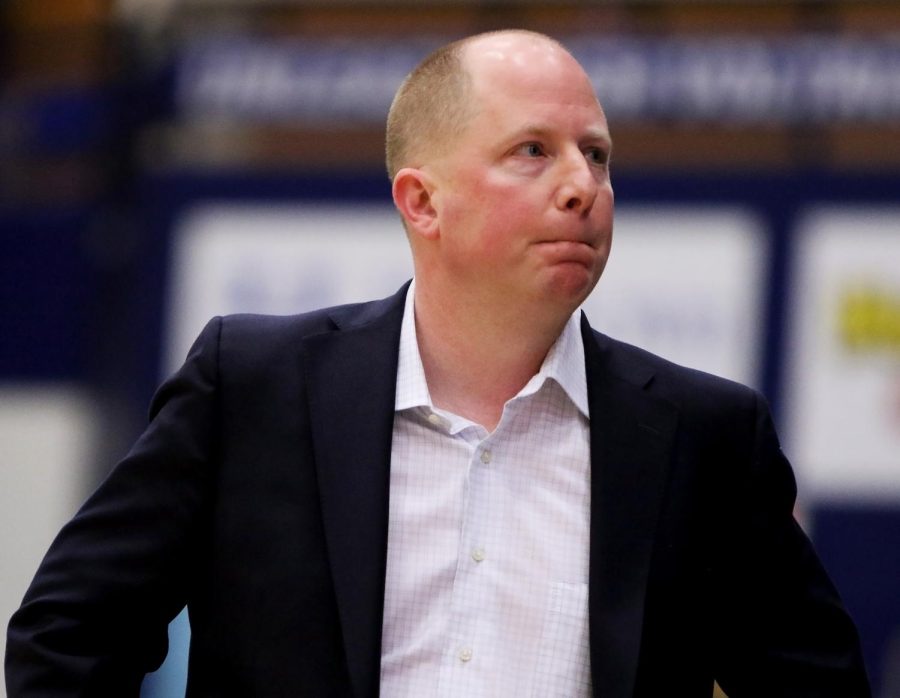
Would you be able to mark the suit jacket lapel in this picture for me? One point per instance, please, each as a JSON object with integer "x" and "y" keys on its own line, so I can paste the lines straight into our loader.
{"x": 631, "y": 445}
{"x": 351, "y": 377}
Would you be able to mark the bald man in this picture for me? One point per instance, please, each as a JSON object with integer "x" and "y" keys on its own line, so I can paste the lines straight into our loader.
{"x": 461, "y": 490}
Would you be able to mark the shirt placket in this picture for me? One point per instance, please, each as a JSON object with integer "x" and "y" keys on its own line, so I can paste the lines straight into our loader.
{"x": 467, "y": 647}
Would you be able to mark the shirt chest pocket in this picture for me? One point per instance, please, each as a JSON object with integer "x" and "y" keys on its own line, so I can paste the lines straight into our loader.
{"x": 563, "y": 661}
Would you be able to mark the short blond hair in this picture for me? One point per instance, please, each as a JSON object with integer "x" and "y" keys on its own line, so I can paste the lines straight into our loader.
{"x": 430, "y": 105}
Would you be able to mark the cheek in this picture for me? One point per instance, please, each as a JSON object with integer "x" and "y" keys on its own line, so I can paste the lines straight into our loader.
{"x": 504, "y": 233}
{"x": 490, "y": 218}
{"x": 603, "y": 211}
{"x": 510, "y": 206}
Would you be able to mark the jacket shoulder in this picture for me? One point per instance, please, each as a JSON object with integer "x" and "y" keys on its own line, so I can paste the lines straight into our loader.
{"x": 678, "y": 384}
{"x": 263, "y": 337}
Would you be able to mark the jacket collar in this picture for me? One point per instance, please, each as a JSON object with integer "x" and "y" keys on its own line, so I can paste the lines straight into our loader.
{"x": 632, "y": 433}
{"x": 351, "y": 377}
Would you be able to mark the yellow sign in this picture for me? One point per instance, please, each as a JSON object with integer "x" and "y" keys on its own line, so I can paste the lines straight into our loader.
{"x": 869, "y": 319}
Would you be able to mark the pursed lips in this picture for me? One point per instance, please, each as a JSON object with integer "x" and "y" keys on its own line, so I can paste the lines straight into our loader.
{"x": 567, "y": 250}
{"x": 566, "y": 242}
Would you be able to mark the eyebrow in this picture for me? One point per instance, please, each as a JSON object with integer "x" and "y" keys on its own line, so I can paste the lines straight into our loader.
{"x": 542, "y": 131}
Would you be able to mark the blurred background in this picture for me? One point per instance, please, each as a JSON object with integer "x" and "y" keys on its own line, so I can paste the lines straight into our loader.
{"x": 162, "y": 161}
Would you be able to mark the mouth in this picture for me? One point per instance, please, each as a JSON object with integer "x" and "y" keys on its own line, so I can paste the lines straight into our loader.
{"x": 563, "y": 244}
{"x": 569, "y": 251}
{"x": 574, "y": 239}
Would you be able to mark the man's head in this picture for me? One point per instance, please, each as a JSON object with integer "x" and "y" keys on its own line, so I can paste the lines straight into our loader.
{"x": 504, "y": 189}
{"x": 433, "y": 103}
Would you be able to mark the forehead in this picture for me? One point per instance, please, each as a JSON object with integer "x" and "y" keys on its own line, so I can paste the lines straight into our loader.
{"x": 533, "y": 69}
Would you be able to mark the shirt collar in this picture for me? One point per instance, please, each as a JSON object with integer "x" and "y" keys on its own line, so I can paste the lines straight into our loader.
{"x": 412, "y": 388}
{"x": 564, "y": 363}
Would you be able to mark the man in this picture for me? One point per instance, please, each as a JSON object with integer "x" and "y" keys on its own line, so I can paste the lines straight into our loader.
{"x": 461, "y": 490}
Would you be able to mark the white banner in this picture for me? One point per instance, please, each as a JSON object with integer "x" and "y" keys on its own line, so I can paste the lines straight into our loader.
{"x": 682, "y": 282}
{"x": 242, "y": 258}
{"x": 843, "y": 385}
{"x": 687, "y": 283}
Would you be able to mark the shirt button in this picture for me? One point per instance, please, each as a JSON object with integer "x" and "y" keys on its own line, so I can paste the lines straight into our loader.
{"x": 478, "y": 554}
{"x": 435, "y": 419}
{"x": 485, "y": 457}
{"x": 465, "y": 654}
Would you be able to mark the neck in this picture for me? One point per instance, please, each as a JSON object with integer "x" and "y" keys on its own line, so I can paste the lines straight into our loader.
{"x": 478, "y": 355}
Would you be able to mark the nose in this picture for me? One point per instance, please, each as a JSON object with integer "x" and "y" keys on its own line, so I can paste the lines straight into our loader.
{"x": 578, "y": 187}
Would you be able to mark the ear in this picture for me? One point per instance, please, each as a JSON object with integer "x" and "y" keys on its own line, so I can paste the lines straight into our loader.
{"x": 412, "y": 190}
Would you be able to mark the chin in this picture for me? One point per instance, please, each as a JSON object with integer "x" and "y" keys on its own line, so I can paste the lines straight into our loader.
{"x": 571, "y": 286}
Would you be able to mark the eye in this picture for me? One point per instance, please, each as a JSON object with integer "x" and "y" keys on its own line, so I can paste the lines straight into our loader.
{"x": 531, "y": 150}
{"x": 596, "y": 156}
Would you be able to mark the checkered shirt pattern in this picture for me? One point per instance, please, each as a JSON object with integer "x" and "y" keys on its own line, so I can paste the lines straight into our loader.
{"x": 486, "y": 590}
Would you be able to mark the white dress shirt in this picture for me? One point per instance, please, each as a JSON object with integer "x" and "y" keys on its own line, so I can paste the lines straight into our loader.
{"x": 487, "y": 567}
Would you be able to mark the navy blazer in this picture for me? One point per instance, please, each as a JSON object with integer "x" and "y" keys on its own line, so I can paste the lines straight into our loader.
{"x": 258, "y": 496}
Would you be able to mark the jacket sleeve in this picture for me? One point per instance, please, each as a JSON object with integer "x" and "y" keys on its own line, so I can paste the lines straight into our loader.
{"x": 95, "y": 617}
{"x": 782, "y": 629}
